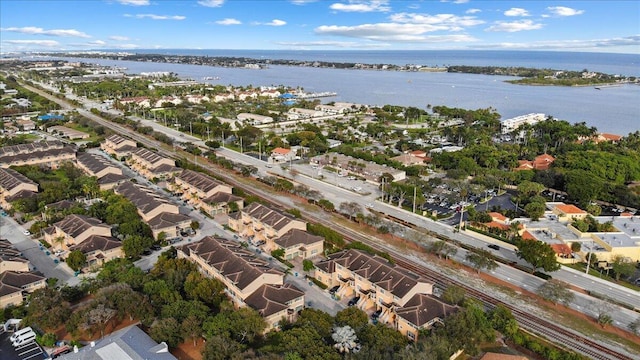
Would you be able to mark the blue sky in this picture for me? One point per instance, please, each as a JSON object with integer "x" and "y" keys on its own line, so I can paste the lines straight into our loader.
{"x": 603, "y": 26}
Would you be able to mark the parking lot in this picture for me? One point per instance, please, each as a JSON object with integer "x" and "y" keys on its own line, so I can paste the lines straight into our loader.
{"x": 25, "y": 352}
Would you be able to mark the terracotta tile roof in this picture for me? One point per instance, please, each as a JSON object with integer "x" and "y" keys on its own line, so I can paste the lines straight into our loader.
{"x": 421, "y": 309}
{"x": 232, "y": 261}
{"x": 281, "y": 151}
{"x": 497, "y": 216}
{"x": 611, "y": 137}
{"x": 271, "y": 299}
{"x": 570, "y": 209}
{"x": 561, "y": 249}
{"x": 526, "y": 235}
{"x": 495, "y": 224}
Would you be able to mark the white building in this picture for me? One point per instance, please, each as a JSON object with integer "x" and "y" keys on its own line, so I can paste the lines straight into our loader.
{"x": 509, "y": 125}
{"x": 254, "y": 119}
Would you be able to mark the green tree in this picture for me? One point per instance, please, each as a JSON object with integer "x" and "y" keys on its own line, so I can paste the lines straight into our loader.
{"x": 221, "y": 348}
{"x": 382, "y": 340}
{"x": 307, "y": 265}
{"x": 528, "y": 189}
{"x": 481, "y": 259}
{"x": 576, "y": 247}
{"x": 469, "y": 327}
{"x": 622, "y": 266}
{"x": 316, "y": 319}
{"x": 134, "y": 245}
{"x": 353, "y": 317}
{"x": 454, "y": 295}
{"x": 208, "y": 290}
{"x": 538, "y": 254}
{"x": 167, "y": 330}
{"x": 503, "y": 320}
{"x": 192, "y": 328}
{"x": 76, "y": 260}
{"x": 47, "y": 309}
{"x": 534, "y": 210}
{"x": 244, "y": 325}
{"x": 556, "y": 291}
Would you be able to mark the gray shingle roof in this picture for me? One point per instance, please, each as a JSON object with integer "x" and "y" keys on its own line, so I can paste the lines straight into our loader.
{"x": 130, "y": 343}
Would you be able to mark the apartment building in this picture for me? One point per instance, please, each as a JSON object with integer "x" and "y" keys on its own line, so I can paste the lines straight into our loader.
{"x": 15, "y": 278}
{"x": 155, "y": 210}
{"x": 378, "y": 284}
{"x": 74, "y": 229}
{"x": 151, "y": 165}
{"x": 96, "y": 165}
{"x": 15, "y": 186}
{"x": 196, "y": 186}
{"x": 221, "y": 203}
{"x": 261, "y": 223}
{"x": 421, "y": 312}
{"x": 299, "y": 243}
{"x": 249, "y": 280}
{"x": 14, "y": 285}
{"x": 52, "y": 157}
{"x": 118, "y": 146}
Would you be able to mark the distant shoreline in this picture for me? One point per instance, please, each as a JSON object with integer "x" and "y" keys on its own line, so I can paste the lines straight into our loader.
{"x": 528, "y": 76}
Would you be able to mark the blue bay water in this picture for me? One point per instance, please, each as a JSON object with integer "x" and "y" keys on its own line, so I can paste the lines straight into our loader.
{"x": 615, "y": 109}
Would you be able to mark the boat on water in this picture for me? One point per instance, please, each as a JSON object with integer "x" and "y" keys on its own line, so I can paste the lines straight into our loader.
{"x": 211, "y": 78}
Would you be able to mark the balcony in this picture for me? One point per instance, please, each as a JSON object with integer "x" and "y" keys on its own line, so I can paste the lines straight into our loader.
{"x": 349, "y": 279}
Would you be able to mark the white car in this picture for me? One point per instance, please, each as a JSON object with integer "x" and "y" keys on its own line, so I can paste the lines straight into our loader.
{"x": 27, "y": 232}
{"x": 369, "y": 205}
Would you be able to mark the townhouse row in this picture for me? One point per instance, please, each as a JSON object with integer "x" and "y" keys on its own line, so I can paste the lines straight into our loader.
{"x": 16, "y": 279}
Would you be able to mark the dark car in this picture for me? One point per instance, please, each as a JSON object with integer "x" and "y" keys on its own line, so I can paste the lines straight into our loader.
{"x": 354, "y": 301}
{"x": 156, "y": 247}
{"x": 334, "y": 289}
{"x": 494, "y": 247}
{"x": 146, "y": 252}
{"x": 376, "y": 314}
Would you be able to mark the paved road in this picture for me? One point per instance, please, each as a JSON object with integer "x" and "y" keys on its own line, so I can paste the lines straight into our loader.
{"x": 39, "y": 260}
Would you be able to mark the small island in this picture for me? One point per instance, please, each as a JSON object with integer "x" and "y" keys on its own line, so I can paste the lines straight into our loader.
{"x": 527, "y": 76}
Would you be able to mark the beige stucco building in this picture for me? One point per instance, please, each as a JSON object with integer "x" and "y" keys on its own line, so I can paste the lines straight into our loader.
{"x": 261, "y": 223}
{"x": 14, "y": 186}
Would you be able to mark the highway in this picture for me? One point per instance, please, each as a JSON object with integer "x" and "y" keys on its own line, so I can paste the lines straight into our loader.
{"x": 327, "y": 189}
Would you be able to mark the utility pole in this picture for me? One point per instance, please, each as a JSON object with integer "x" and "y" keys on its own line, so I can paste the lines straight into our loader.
{"x": 241, "y": 145}
{"x": 461, "y": 216}
{"x": 208, "y": 137}
{"x": 589, "y": 258}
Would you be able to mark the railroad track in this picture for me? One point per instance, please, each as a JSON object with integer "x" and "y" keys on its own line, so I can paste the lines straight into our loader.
{"x": 559, "y": 335}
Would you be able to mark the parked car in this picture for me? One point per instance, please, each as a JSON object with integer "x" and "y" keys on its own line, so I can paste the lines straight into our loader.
{"x": 354, "y": 301}
{"x": 376, "y": 314}
{"x": 493, "y": 246}
{"x": 27, "y": 232}
{"x": 156, "y": 247}
{"x": 334, "y": 289}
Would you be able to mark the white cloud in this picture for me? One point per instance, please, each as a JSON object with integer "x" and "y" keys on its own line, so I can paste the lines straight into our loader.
{"x": 473, "y": 11}
{"x": 514, "y": 26}
{"x": 134, "y": 2}
{"x": 516, "y": 12}
{"x": 443, "y": 21}
{"x": 40, "y": 31}
{"x": 156, "y": 17}
{"x": 362, "y": 6}
{"x": 393, "y": 32}
{"x": 229, "y": 21}
{"x": 36, "y": 43}
{"x": 97, "y": 43}
{"x": 564, "y": 11}
{"x": 211, "y": 3}
{"x": 276, "y": 22}
{"x": 455, "y": 1}
{"x": 118, "y": 38}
